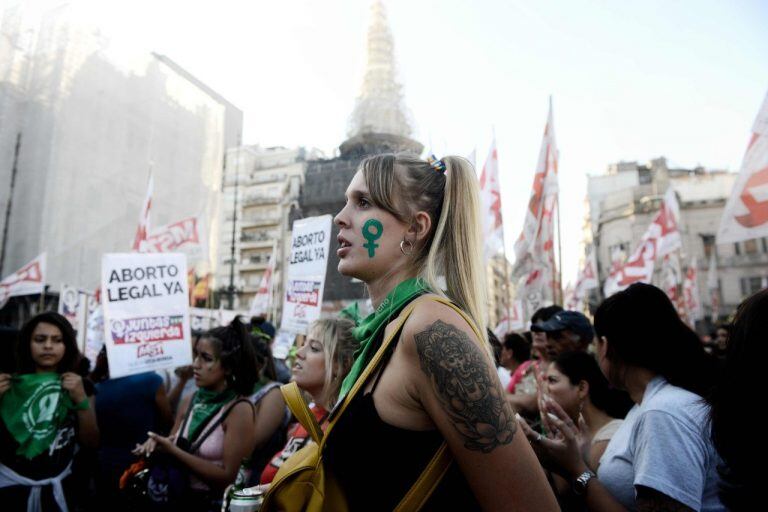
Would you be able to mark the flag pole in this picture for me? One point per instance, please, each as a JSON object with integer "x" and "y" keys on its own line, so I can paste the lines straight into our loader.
{"x": 559, "y": 251}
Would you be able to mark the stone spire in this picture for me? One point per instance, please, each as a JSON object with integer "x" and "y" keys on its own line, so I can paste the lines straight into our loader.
{"x": 379, "y": 108}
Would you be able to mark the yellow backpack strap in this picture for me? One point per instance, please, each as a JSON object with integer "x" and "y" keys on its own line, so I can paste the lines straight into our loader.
{"x": 371, "y": 367}
{"x": 301, "y": 411}
{"x": 425, "y": 485}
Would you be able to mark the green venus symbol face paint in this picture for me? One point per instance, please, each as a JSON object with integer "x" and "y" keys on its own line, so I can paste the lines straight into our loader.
{"x": 372, "y": 231}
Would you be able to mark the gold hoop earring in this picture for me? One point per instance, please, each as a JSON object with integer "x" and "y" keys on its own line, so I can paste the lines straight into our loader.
{"x": 410, "y": 247}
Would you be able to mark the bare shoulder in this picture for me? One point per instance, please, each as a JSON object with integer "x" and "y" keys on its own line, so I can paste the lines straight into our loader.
{"x": 427, "y": 312}
{"x": 184, "y": 404}
{"x": 461, "y": 386}
{"x": 243, "y": 410}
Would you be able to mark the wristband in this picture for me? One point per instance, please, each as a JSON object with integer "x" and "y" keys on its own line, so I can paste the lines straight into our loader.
{"x": 84, "y": 405}
{"x": 580, "y": 485}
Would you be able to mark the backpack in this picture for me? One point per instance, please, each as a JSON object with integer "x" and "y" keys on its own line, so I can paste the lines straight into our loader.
{"x": 163, "y": 481}
{"x": 302, "y": 484}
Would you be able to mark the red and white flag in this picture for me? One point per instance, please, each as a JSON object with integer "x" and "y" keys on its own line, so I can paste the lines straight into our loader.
{"x": 142, "y": 232}
{"x": 691, "y": 292}
{"x": 490, "y": 196}
{"x": 186, "y": 235}
{"x": 660, "y": 239}
{"x": 746, "y": 213}
{"x": 534, "y": 248}
{"x": 570, "y": 301}
{"x": 713, "y": 286}
{"x": 671, "y": 281}
{"x": 28, "y": 280}
{"x": 262, "y": 302}
{"x": 587, "y": 278}
{"x": 515, "y": 323}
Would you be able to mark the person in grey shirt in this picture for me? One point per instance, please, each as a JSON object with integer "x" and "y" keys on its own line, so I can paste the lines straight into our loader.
{"x": 662, "y": 457}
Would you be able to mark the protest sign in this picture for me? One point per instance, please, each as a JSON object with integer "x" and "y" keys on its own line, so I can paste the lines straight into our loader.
{"x": 75, "y": 305}
{"x": 305, "y": 271}
{"x": 146, "y": 312}
{"x": 281, "y": 347}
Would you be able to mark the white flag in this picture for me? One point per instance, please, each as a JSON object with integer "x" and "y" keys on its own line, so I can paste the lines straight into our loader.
{"x": 660, "y": 239}
{"x": 262, "y": 302}
{"x": 713, "y": 286}
{"x": 490, "y": 196}
{"x": 587, "y": 278}
{"x": 187, "y": 236}
{"x": 142, "y": 231}
{"x": 535, "y": 265}
{"x": 515, "y": 323}
{"x": 28, "y": 280}
{"x": 746, "y": 214}
{"x": 691, "y": 292}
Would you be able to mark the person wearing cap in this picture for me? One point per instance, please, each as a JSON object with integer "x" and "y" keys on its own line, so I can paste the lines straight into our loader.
{"x": 567, "y": 331}
{"x": 522, "y": 391}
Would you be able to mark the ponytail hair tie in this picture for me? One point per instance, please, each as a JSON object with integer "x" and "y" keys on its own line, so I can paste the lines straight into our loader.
{"x": 436, "y": 164}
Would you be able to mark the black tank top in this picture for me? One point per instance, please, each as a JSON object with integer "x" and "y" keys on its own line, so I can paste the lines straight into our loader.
{"x": 377, "y": 463}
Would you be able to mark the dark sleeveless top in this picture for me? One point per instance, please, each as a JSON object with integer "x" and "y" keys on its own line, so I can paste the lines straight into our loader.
{"x": 376, "y": 463}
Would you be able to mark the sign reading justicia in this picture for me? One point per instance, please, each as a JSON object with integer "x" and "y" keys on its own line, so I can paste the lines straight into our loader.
{"x": 146, "y": 312}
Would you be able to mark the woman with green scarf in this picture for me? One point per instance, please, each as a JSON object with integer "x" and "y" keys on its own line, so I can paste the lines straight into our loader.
{"x": 217, "y": 421}
{"x": 45, "y": 413}
{"x": 411, "y": 231}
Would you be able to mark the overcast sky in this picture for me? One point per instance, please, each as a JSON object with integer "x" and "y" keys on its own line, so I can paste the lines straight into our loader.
{"x": 629, "y": 80}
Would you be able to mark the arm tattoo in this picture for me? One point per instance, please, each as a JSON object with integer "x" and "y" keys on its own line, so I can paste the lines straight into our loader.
{"x": 651, "y": 500}
{"x": 472, "y": 399}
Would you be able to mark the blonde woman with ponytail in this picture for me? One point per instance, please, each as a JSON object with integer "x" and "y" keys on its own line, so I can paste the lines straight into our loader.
{"x": 406, "y": 225}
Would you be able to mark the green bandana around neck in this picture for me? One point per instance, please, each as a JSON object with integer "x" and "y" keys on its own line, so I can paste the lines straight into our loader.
{"x": 351, "y": 312}
{"x": 33, "y": 411}
{"x": 205, "y": 405}
{"x": 369, "y": 329}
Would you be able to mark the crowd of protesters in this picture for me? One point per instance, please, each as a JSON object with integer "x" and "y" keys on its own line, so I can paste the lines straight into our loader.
{"x": 630, "y": 411}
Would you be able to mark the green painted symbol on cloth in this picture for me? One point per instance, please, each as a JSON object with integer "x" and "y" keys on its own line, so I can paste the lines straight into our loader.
{"x": 372, "y": 230}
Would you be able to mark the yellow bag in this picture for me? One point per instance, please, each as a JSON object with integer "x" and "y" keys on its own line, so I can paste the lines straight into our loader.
{"x": 301, "y": 483}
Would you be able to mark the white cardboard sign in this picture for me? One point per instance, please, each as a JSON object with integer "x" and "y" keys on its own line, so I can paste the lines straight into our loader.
{"x": 306, "y": 266}
{"x": 146, "y": 312}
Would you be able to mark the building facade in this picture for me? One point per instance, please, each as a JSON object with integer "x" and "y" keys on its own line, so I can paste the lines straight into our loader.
{"x": 261, "y": 186}
{"x": 91, "y": 124}
{"x": 623, "y": 202}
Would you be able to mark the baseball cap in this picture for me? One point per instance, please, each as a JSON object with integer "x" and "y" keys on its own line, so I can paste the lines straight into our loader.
{"x": 571, "y": 320}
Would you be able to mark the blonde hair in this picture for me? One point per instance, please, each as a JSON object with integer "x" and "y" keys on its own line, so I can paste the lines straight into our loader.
{"x": 339, "y": 347}
{"x": 403, "y": 185}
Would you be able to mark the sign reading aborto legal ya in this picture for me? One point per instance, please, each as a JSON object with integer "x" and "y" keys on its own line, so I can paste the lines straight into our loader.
{"x": 305, "y": 273}
{"x": 146, "y": 311}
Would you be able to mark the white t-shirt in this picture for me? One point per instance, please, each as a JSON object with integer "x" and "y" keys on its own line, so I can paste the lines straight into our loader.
{"x": 504, "y": 376}
{"x": 664, "y": 443}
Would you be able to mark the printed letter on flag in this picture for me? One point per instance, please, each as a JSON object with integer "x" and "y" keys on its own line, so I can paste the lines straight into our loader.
{"x": 746, "y": 213}
{"x": 28, "y": 280}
